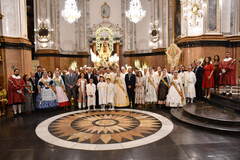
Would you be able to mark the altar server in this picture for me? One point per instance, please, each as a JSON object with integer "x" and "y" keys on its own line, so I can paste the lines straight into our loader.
{"x": 189, "y": 81}
{"x": 102, "y": 92}
{"x": 110, "y": 93}
{"x": 91, "y": 97}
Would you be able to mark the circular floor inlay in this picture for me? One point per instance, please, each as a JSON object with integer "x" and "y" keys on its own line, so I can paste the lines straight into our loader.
{"x": 105, "y": 122}
{"x": 97, "y": 130}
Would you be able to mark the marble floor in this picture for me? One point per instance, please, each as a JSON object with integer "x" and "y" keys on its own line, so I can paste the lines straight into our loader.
{"x": 18, "y": 141}
{"x": 104, "y": 130}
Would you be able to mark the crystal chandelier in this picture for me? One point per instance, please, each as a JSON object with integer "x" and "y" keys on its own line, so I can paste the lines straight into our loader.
{"x": 135, "y": 12}
{"x": 71, "y": 12}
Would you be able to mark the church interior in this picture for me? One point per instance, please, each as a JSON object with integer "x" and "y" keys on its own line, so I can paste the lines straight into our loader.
{"x": 120, "y": 79}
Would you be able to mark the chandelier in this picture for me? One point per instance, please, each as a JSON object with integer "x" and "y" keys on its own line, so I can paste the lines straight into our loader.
{"x": 135, "y": 12}
{"x": 71, "y": 12}
{"x": 193, "y": 11}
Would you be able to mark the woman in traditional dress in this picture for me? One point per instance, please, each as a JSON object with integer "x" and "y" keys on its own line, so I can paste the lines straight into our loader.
{"x": 62, "y": 98}
{"x": 81, "y": 83}
{"x": 163, "y": 88}
{"x": 50, "y": 74}
{"x": 151, "y": 88}
{"x": 121, "y": 96}
{"x": 208, "y": 80}
{"x": 189, "y": 81}
{"x": 139, "y": 90}
{"x": 48, "y": 97}
{"x": 28, "y": 91}
{"x": 175, "y": 97}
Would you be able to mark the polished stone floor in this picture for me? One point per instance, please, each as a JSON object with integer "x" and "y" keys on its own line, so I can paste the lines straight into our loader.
{"x": 18, "y": 141}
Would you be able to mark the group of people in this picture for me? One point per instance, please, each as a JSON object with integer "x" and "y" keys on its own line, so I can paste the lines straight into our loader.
{"x": 108, "y": 88}
{"x": 213, "y": 73}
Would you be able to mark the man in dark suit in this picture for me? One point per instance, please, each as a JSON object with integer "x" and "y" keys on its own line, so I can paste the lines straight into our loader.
{"x": 198, "y": 85}
{"x": 34, "y": 85}
{"x": 130, "y": 80}
{"x": 38, "y": 75}
{"x": 91, "y": 75}
{"x": 70, "y": 84}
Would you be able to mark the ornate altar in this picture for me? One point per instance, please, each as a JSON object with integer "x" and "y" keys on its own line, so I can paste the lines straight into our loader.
{"x": 105, "y": 42}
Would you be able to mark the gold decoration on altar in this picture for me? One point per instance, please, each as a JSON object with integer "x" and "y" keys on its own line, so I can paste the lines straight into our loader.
{"x": 105, "y": 51}
{"x": 103, "y": 35}
{"x": 73, "y": 65}
{"x": 173, "y": 54}
{"x": 104, "y": 48}
{"x": 140, "y": 65}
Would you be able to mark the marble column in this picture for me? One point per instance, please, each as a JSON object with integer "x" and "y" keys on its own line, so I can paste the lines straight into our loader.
{"x": 15, "y": 48}
{"x": 14, "y": 23}
{"x": 45, "y": 12}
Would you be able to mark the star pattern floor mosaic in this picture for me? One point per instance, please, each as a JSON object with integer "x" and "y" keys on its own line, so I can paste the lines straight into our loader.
{"x": 104, "y": 130}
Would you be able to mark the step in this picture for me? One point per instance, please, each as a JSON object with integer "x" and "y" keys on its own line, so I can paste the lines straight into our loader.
{"x": 184, "y": 117}
{"x": 213, "y": 113}
{"x": 224, "y": 101}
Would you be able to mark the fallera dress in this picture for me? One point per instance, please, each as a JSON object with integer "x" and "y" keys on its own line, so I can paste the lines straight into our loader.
{"x": 47, "y": 97}
{"x": 62, "y": 98}
{"x": 174, "y": 99}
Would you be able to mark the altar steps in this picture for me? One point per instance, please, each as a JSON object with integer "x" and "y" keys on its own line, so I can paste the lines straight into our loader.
{"x": 208, "y": 116}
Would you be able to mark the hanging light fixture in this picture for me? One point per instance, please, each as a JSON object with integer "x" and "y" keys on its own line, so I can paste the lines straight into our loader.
{"x": 135, "y": 12}
{"x": 70, "y": 12}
